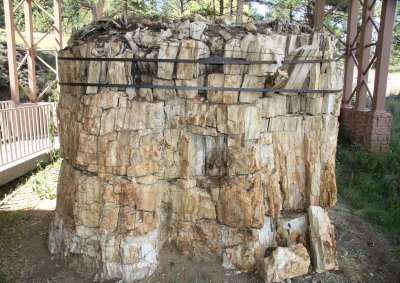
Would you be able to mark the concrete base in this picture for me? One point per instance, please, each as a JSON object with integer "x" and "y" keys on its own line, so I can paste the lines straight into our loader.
{"x": 370, "y": 129}
{"x": 22, "y": 166}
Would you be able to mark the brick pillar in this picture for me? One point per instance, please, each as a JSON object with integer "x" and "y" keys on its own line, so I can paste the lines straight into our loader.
{"x": 368, "y": 128}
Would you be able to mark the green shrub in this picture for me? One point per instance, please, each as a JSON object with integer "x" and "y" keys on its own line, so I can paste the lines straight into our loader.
{"x": 371, "y": 181}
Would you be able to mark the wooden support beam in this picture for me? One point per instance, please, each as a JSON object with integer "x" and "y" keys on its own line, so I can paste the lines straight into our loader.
{"x": 239, "y": 11}
{"x": 57, "y": 24}
{"x": 11, "y": 50}
{"x": 352, "y": 34}
{"x": 30, "y": 44}
{"x": 383, "y": 53}
{"x": 319, "y": 14}
{"x": 57, "y": 34}
{"x": 31, "y": 50}
{"x": 365, "y": 53}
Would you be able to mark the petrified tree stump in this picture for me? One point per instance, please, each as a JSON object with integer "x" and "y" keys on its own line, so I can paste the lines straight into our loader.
{"x": 224, "y": 173}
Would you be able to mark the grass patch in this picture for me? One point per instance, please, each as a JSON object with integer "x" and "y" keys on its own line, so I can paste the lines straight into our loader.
{"x": 370, "y": 181}
{"x": 40, "y": 182}
{"x": 3, "y": 277}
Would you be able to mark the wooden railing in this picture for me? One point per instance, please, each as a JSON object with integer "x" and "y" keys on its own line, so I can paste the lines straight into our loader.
{"x": 24, "y": 130}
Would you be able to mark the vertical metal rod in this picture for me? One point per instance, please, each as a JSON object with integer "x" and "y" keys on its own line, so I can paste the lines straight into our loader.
{"x": 365, "y": 51}
{"x": 42, "y": 127}
{"x": 319, "y": 14}
{"x": 30, "y": 126}
{"x": 31, "y": 50}
{"x": 44, "y": 137}
{"x": 46, "y": 123}
{"x": 9, "y": 135}
{"x": 18, "y": 131}
{"x": 383, "y": 53}
{"x": 1, "y": 139}
{"x": 14, "y": 132}
{"x": 52, "y": 123}
{"x": 3, "y": 136}
{"x": 349, "y": 62}
{"x": 26, "y": 140}
{"x": 39, "y": 127}
{"x": 6, "y": 139}
{"x": 12, "y": 135}
{"x": 35, "y": 133}
{"x": 11, "y": 50}
{"x": 36, "y": 121}
{"x": 6, "y": 136}
{"x": 22, "y": 132}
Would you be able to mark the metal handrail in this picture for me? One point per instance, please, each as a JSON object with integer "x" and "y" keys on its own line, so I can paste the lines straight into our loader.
{"x": 24, "y": 131}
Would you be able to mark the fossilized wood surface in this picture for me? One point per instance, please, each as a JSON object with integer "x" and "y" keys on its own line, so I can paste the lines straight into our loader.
{"x": 284, "y": 263}
{"x": 211, "y": 172}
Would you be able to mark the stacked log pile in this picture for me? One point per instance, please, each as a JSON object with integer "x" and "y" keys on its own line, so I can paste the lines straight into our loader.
{"x": 233, "y": 173}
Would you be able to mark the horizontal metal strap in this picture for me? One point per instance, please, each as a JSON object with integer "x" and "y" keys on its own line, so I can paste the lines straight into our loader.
{"x": 211, "y": 61}
{"x": 204, "y": 88}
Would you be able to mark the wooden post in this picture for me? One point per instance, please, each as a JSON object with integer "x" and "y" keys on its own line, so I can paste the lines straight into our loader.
{"x": 11, "y": 50}
{"x": 319, "y": 14}
{"x": 365, "y": 51}
{"x": 57, "y": 24}
{"x": 57, "y": 33}
{"x": 349, "y": 59}
{"x": 239, "y": 11}
{"x": 383, "y": 53}
{"x": 31, "y": 50}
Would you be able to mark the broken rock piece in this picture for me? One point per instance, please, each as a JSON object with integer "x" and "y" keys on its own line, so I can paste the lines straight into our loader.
{"x": 284, "y": 263}
{"x": 322, "y": 238}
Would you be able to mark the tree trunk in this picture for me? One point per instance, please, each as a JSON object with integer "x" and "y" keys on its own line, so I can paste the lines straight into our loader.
{"x": 213, "y": 8}
{"x": 97, "y": 11}
{"x": 291, "y": 15}
{"x": 221, "y": 7}
{"x": 309, "y": 17}
{"x": 231, "y": 7}
{"x": 125, "y": 12}
{"x": 182, "y": 9}
{"x": 239, "y": 11}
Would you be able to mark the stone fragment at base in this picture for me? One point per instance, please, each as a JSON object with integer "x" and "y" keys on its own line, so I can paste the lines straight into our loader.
{"x": 284, "y": 263}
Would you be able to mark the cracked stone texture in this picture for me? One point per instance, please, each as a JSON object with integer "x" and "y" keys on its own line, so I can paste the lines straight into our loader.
{"x": 284, "y": 263}
{"x": 228, "y": 174}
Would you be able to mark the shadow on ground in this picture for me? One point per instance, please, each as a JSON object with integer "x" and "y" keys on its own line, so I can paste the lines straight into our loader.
{"x": 364, "y": 255}
{"x": 24, "y": 256}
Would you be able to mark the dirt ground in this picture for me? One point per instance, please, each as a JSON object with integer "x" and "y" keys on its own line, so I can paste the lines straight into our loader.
{"x": 364, "y": 255}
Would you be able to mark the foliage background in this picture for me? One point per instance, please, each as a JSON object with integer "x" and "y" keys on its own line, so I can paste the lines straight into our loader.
{"x": 77, "y": 13}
